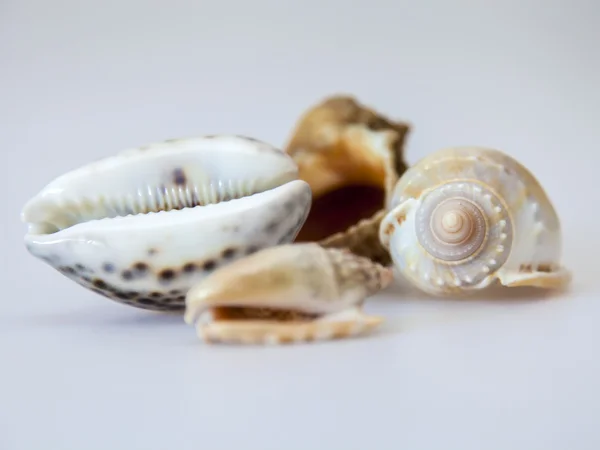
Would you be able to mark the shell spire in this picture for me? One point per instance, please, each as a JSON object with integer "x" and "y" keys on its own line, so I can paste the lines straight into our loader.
{"x": 288, "y": 293}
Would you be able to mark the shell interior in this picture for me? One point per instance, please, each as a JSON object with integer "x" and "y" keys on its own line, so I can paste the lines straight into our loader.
{"x": 350, "y": 156}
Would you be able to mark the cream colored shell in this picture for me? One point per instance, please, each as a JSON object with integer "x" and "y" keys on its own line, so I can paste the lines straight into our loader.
{"x": 287, "y": 294}
{"x": 464, "y": 218}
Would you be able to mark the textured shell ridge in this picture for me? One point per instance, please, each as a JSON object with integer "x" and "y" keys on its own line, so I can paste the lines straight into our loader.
{"x": 361, "y": 239}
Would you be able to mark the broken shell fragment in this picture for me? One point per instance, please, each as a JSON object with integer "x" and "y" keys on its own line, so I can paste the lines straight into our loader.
{"x": 143, "y": 226}
{"x": 465, "y": 218}
{"x": 287, "y": 294}
{"x": 351, "y": 157}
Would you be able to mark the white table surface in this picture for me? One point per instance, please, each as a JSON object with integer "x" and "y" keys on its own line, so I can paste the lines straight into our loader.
{"x": 506, "y": 370}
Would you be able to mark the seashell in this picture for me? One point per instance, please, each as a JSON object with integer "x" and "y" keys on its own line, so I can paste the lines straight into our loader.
{"x": 351, "y": 157}
{"x": 143, "y": 226}
{"x": 462, "y": 219}
{"x": 287, "y": 294}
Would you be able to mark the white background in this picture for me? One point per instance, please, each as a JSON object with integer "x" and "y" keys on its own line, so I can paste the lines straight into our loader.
{"x": 82, "y": 80}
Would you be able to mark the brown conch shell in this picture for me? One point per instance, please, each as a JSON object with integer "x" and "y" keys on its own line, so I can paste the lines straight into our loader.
{"x": 291, "y": 293}
{"x": 351, "y": 157}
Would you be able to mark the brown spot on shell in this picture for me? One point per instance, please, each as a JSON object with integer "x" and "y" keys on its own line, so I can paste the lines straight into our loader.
{"x": 127, "y": 274}
{"x": 228, "y": 253}
{"x": 189, "y": 267}
{"x": 209, "y": 265}
{"x": 140, "y": 267}
{"x": 525, "y": 268}
{"x": 166, "y": 274}
{"x": 179, "y": 178}
{"x": 547, "y": 268}
{"x": 400, "y": 218}
{"x": 389, "y": 229}
{"x": 100, "y": 284}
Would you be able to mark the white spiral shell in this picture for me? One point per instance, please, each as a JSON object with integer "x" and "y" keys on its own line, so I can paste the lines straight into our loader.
{"x": 463, "y": 218}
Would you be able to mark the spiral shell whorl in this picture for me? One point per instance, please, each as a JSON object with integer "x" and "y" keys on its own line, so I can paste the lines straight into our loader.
{"x": 450, "y": 228}
{"x": 464, "y": 232}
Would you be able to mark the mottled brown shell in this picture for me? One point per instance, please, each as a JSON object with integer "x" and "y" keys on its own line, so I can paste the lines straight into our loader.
{"x": 351, "y": 157}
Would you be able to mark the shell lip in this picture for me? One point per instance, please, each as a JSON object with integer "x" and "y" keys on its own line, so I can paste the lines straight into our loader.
{"x": 162, "y": 219}
{"x": 165, "y": 177}
{"x": 205, "y": 305}
{"x": 226, "y": 328}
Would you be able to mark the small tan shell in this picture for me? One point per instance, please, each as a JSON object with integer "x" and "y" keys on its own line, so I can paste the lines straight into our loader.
{"x": 462, "y": 219}
{"x": 351, "y": 157}
{"x": 287, "y": 294}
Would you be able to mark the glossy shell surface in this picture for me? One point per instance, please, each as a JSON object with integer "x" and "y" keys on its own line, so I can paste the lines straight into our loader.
{"x": 143, "y": 226}
{"x": 287, "y": 294}
{"x": 464, "y": 218}
{"x": 351, "y": 157}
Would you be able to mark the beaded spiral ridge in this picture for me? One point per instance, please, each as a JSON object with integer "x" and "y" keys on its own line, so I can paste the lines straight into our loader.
{"x": 465, "y": 233}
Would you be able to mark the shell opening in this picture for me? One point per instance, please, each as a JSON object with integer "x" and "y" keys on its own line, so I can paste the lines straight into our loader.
{"x": 239, "y": 313}
{"x": 341, "y": 208}
{"x": 148, "y": 199}
{"x": 236, "y": 314}
{"x": 164, "y": 177}
{"x": 351, "y": 156}
{"x": 278, "y": 326}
